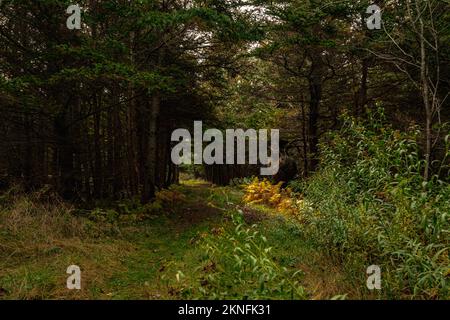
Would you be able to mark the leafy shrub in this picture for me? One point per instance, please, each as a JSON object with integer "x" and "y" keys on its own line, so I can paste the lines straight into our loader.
{"x": 238, "y": 265}
{"x": 372, "y": 206}
{"x": 264, "y": 192}
{"x": 283, "y": 200}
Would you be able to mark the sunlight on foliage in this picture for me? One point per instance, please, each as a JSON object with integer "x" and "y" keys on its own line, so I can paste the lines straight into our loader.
{"x": 283, "y": 200}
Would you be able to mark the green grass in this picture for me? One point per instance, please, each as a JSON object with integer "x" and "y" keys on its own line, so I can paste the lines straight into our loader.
{"x": 161, "y": 257}
{"x": 191, "y": 248}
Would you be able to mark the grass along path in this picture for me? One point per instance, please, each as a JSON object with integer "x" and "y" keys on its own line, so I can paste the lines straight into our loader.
{"x": 189, "y": 251}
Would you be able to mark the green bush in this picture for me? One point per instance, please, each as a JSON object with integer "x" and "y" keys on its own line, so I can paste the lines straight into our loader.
{"x": 372, "y": 206}
{"x": 238, "y": 265}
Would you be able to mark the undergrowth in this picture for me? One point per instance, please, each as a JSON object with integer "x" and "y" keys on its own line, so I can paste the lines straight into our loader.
{"x": 371, "y": 205}
{"x": 240, "y": 265}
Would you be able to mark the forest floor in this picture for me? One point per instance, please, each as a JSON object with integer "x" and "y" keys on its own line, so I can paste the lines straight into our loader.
{"x": 156, "y": 258}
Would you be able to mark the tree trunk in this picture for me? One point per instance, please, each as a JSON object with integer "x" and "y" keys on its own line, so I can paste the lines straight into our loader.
{"x": 425, "y": 96}
{"x": 315, "y": 90}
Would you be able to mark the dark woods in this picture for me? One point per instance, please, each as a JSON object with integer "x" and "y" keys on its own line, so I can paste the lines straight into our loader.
{"x": 90, "y": 112}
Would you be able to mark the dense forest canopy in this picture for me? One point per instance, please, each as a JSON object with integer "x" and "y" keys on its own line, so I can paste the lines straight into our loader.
{"x": 92, "y": 92}
{"x": 90, "y": 111}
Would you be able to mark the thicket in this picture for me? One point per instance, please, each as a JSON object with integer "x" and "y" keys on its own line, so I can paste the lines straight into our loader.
{"x": 371, "y": 205}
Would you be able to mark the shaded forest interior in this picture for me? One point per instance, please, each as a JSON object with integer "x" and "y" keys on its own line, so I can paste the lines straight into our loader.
{"x": 90, "y": 112}
{"x": 87, "y": 113}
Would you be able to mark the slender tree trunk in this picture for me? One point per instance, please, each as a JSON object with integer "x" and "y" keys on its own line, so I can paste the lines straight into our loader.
{"x": 153, "y": 145}
{"x": 362, "y": 96}
{"x": 98, "y": 176}
{"x": 305, "y": 140}
{"x": 425, "y": 96}
{"x": 65, "y": 157}
{"x": 315, "y": 90}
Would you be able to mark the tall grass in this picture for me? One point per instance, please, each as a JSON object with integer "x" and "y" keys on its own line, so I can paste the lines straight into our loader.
{"x": 30, "y": 219}
{"x": 372, "y": 206}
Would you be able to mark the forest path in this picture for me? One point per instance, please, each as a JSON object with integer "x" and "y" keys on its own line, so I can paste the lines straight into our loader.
{"x": 119, "y": 257}
{"x": 171, "y": 247}
{"x": 165, "y": 245}
{"x": 161, "y": 257}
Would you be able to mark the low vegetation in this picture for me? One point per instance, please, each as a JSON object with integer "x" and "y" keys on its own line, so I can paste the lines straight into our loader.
{"x": 368, "y": 204}
{"x": 192, "y": 244}
{"x": 372, "y": 206}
